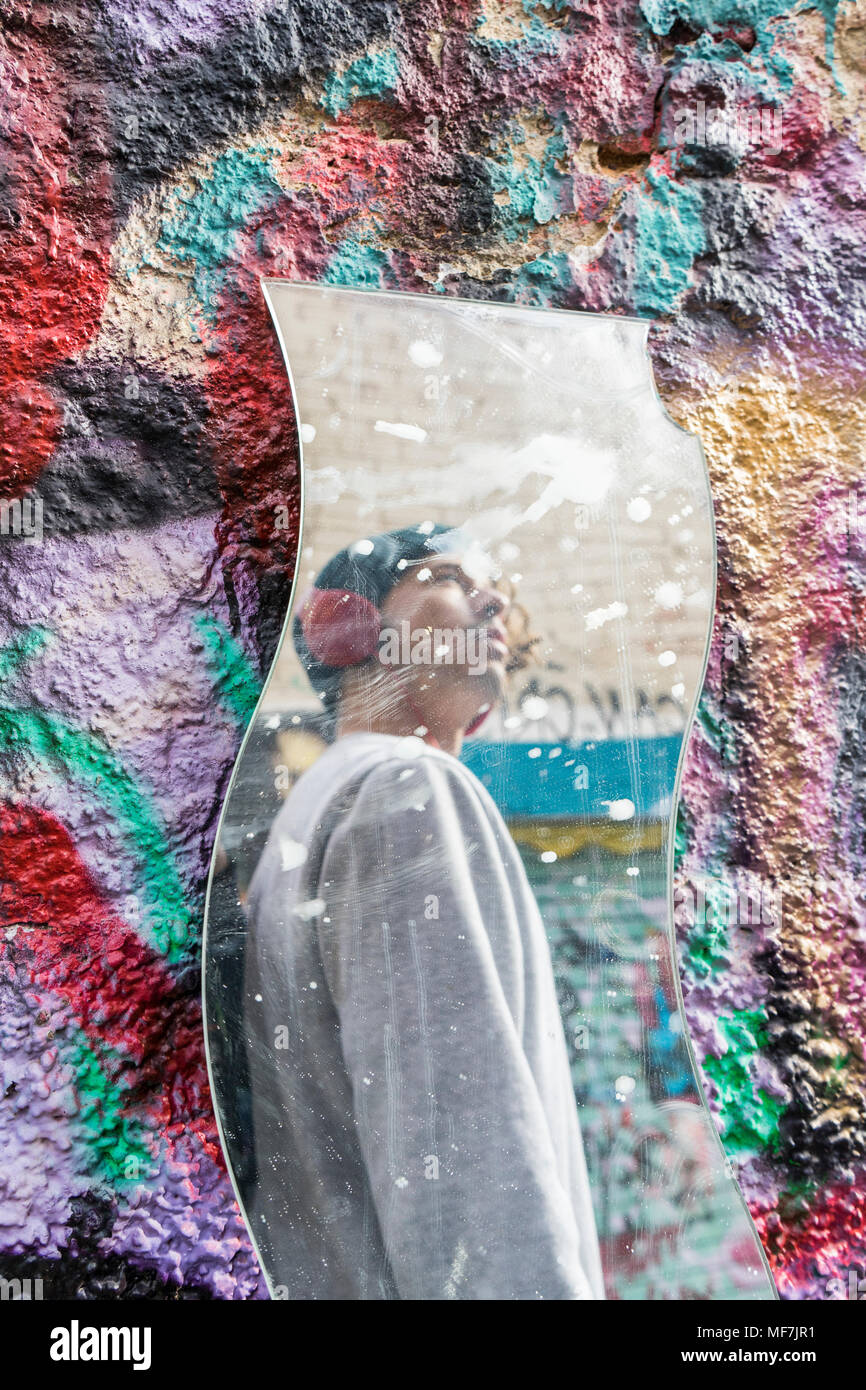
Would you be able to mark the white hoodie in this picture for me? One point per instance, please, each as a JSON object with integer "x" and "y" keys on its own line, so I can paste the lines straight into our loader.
{"x": 416, "y": 1130}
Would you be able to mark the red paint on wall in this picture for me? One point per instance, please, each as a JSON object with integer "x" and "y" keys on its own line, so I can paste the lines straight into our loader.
{"x": 146, "y": 1030}
{"x": 56, "y": 219}
{"x": 252, "y": 423}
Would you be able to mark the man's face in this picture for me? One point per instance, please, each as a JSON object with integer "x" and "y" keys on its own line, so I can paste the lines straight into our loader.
{"x": 454, "y": 601}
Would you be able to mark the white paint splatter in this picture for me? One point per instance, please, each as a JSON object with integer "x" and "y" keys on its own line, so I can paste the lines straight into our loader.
{"x": 599, "y": 616}
{"x": 400, "y": 431}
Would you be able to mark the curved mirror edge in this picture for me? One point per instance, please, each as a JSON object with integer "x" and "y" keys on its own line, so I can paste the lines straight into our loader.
{"x": 630, "y": 335}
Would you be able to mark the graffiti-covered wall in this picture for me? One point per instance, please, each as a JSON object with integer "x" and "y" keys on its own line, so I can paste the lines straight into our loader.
{"x": 699, "y": 162}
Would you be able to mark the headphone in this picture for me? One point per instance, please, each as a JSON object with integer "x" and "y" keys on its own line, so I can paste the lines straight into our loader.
{"x": 341, "y": 628}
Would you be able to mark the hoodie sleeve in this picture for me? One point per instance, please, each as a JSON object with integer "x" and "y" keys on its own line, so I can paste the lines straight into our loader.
{"x": 450, "y": 1122}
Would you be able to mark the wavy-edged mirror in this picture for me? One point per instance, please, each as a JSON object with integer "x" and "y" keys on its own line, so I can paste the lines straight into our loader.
{"x": 445, "y": 1031}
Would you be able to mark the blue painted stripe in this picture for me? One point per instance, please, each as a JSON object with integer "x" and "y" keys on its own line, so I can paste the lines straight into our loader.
{"x": 556, "y": 779}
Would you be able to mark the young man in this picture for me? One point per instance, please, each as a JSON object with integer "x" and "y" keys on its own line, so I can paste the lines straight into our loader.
{"x": 415, "y": 1124}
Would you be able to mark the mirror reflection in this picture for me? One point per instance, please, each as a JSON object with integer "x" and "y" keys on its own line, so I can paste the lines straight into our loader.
{"x": 445, "y": 1035}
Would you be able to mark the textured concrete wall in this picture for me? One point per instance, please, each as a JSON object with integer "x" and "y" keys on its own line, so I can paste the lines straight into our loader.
{"x": 163, "y": 157}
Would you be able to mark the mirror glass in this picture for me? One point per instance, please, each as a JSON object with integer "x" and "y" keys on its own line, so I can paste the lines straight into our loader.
{"x": 445, "y": 1032}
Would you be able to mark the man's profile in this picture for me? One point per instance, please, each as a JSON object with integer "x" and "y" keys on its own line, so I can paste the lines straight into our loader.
{"x": 415, "y": 1125}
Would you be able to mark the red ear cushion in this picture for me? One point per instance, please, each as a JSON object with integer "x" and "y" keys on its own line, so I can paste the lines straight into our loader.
{"x": 340, "y": 628}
